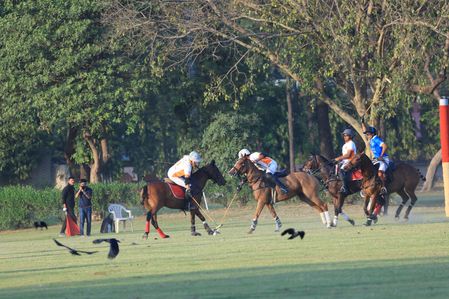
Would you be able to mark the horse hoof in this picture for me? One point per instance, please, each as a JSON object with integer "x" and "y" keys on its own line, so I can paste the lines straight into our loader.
{"x": 195, "y": 234}
{"x": 250, "y": 232}
{"x": 405, "y": 219}
{"x": 385, "y": 214}
{"x": 145, "y": 237}
{"x": 166, "y": 237}
{"x": 276, "y": 230}
{"x": 396, "y": 218}
{"x": 329, "y": 227}
{"x": 210, "y": 233}
{"x": 352, "y": 222}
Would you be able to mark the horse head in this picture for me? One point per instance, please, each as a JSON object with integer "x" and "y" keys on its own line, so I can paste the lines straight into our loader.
{"x": 357, "y": 161}
{"x": 215, "y": 174}
{"x": 310, "y": 165}
{"x": 242, "y": 166}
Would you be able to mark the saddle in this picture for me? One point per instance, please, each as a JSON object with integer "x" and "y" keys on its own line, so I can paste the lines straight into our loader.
{"x": 178, "y": 191}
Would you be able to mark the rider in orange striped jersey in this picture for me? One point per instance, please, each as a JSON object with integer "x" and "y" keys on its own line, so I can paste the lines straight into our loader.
{"x": 266, "y": 164}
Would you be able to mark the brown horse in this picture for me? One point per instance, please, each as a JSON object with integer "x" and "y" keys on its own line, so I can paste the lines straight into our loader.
{"x": 406, "y": 179}
{"x": 318, "y": 163}
{"x": 371, "y": 183}
{"x": 300, "y": 184}
{"x": 158, "y": 194}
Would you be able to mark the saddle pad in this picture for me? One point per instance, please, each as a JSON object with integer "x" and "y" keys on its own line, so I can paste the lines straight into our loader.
{"x": 356, "y": 175}
{"x": 177, "y": 191}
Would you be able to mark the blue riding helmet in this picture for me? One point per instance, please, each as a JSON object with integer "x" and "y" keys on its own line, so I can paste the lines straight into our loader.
{"x": 371, "y": 130}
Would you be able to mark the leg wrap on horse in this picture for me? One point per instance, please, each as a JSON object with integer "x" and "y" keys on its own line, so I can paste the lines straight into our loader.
{"x": 147, "y": 228}
{"x": 407, "y": 212}
{"x": 163, "y": 236}
{"x": 253, "y": 226}
{"x": 207, "y": 228}
{"x": 278, "y": 223}
{"x": 323, "y": 218}
{"x": 335, "y": 220}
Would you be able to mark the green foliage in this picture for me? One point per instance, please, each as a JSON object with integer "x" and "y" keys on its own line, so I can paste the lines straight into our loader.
{"x": 21, "y": 206}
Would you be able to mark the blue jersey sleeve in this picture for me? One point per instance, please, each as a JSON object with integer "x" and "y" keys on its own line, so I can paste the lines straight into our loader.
{"x": 377, "y": 140}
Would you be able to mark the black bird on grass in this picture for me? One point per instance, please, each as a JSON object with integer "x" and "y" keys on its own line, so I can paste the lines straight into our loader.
{"x": 41, "y": 224}
{"x": 293, "y": 233}
{"x": 73, "y": 251}
{"x": 113, "y": 251}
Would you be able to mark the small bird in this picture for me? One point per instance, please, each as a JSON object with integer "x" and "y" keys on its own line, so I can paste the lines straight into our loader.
{"x": 41, "y": 224}
{"x": 73, "y": 251}
{"x": 293, "y": 233}
{"x": 113, "y": 251}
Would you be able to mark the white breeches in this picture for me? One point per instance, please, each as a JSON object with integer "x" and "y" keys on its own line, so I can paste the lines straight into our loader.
{"x": 272, "y": 167}
{"x": 178, "y": 181}
{"x": 383, "y": 164}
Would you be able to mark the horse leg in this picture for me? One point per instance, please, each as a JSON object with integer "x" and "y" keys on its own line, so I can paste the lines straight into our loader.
{"x": 276, "y": 218}
{"x": 156, "y": 226}
{"x": 206, "y": 226}
{"x": 387, "y": 203}
{"x": 366, "y": 201}
{"x": 338, "y": 210}
{"x": 321, "y": 207}
{"x": 259, "y": 209}
{"x": 413, "y": 198}
{"x": 147, "y": 228}
{"x": 404, "y": 197}
{"x": 192, "y": 222}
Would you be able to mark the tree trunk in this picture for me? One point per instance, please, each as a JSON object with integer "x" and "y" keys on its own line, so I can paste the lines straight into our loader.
{"x": 84, "y": 171}
{"x": 310, "y": 119}
{"x": 324, "y": 130}
{"x": 164, "y": 146}
{"x": 291, "y": 136}
{"x": 69, "y": 151}
{"x": 435, "y": 163}
{"x": 101, "y": 157}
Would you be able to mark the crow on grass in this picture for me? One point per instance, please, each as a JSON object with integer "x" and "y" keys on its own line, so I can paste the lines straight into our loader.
{"x": 293, "y": 233}
{"x": 113, "y": 251}
{"x": 41, "y": 224}
{"x": 73, "y": 251}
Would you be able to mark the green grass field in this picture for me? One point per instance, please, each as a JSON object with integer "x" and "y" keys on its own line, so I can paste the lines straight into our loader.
{"x": 388, "y": 260}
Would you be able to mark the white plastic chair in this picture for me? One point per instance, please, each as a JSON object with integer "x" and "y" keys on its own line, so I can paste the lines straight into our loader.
{"x": 116, "y": 210}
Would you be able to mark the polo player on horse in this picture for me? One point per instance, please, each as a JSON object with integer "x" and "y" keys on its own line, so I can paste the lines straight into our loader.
{"x": 180, "y": 174}
{"x": 266, "y": 164}
{"x": 379, "y": 149}
{"x": 349, "y": 149}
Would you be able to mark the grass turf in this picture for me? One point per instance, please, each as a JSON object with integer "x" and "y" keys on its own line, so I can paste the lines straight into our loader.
{"x": 388, "y": 260}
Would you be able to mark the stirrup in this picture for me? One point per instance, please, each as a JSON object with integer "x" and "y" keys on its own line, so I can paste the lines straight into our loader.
{"x": 343, "y": 190}
{"x": 283, "y": 191}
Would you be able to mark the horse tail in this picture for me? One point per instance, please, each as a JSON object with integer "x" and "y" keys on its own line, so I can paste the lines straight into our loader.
{"x": 420, "y": 175}
{"x": 144, "y": 194}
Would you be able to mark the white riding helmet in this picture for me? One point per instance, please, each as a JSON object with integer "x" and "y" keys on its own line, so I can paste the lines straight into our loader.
{"x": 195, "y": 157}
{"x": 244, "y": 152}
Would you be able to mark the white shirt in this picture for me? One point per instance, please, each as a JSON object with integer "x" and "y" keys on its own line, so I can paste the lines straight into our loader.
{"x": 350, "y": 145}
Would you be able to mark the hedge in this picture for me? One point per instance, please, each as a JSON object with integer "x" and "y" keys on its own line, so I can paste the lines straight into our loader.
{"x": 20, "y": 206}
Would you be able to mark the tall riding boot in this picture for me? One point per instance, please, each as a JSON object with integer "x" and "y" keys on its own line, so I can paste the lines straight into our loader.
{"x": 383, "y": 190}
{"x": 187, "y": 197}
{"x": 344, "y": 185}
{"x": 281, "y": 187}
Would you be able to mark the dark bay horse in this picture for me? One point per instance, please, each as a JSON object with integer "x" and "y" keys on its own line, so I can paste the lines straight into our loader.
{"x": 158, "y": 194}
{"x": 406, "y": 179}
{"x": 318, "y": 163}
{"x": 300, "y": 184}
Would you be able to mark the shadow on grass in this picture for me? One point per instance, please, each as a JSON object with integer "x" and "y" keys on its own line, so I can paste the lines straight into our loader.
{"x": 417, "y": 278}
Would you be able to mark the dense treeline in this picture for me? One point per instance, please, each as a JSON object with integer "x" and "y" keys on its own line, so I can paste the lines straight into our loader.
{"x": 106, "y": 84}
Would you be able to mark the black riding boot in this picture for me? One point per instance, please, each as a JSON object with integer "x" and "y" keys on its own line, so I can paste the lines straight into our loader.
{"x": 281, "y": 186}
{"x": 344, "y": 184}
{"x": 187, "y": 200}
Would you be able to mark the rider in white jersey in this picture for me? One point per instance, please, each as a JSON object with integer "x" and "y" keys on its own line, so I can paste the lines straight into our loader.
{"x": 349, "y": 149}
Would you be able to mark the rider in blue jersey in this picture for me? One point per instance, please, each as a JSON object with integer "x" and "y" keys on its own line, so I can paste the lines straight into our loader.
{"x": 379, "y": 148}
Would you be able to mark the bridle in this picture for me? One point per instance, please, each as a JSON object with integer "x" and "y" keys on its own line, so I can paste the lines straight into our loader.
{"x": 218, "y": 179}
{"x": 314, "y": 169}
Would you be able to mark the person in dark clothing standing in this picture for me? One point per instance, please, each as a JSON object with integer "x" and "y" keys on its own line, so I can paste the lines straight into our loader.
{"x": 85, "y": 195}
{"x": 68, "y": 200}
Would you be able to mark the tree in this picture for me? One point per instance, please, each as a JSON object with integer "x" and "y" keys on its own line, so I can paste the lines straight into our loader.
{"x": 55, "y": 66}
{"x": 374, "y": 51}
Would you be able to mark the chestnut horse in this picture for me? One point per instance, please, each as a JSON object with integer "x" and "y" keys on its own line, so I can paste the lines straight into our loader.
{"x": 318, "y": 163}
{"x": 300, "y": 184}
{"x": 158, "y": 194}
{"x": 406, "y": 179}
